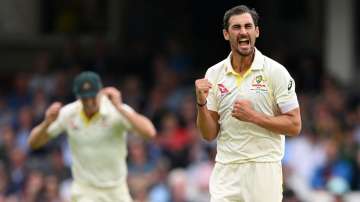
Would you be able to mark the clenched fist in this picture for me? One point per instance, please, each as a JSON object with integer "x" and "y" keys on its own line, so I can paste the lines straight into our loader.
{"x": 243, "y": 110}
{"x": 202, "y": 87}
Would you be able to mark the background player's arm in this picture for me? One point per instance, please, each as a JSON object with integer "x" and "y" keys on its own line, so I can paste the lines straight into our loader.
{"x": 207, "y": 121}
{"x": 140, "y": 123}
{"x": 288, "y": 123}
{"x": 38, "y": 135}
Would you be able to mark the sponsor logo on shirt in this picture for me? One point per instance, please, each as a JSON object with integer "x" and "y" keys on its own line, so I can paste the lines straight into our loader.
{"x": 223, "y": 89}
{"x": 290, "y": 84}
{"x": 72, "y": 125}
{"x": 259, "y": 84}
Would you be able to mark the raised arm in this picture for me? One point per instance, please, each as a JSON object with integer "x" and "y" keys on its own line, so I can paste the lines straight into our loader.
{"x": 207, "y": 120}
{"x": 38, "y": 136}
{"x": 141, "y": 125}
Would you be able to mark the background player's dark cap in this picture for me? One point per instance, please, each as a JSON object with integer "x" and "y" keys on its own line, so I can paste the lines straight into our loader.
{"x": 87, "y": 84}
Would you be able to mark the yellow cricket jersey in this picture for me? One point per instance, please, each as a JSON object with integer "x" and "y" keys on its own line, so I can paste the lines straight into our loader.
{"x": 98, "y": 145}
{"x": 271, "y": 90}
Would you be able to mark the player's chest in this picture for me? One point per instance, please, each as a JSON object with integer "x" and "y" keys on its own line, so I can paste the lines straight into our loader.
{"x": 90, "y": 131}
{"x": 254, "y": 87}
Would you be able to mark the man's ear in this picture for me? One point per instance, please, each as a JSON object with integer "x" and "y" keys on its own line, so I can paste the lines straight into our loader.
{"x": 257, "y": 30}
{"x": 226, "y": 34}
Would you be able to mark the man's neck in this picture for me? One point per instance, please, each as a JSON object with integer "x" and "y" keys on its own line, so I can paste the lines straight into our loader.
{"x": 90, "y": 114}
{"x": 241, "y": 63}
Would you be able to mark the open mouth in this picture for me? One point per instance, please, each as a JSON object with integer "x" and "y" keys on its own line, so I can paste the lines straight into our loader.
{"x": 244, "y": 42}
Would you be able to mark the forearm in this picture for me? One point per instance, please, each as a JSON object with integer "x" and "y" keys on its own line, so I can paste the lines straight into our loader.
{"x": 140, "y": 123}
{"x": 207, "y": 123}
{"x": 38, "y": 136}
{"x": 282, "y": 124}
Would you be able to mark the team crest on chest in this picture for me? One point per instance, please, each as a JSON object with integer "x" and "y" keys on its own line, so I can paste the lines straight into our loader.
{"x": 259, "y": 84}
{"x": 258, "y": 79}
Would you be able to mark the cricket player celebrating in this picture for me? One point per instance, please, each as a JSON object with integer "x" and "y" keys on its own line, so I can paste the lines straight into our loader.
{"x": 96, "y": 126}
{"x": 248, "y": 102}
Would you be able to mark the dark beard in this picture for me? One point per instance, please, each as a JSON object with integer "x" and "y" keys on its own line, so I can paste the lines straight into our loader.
{"x": 252, "y": 50}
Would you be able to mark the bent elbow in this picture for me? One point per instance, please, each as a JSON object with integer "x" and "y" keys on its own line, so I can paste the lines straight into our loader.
{"x": 149, "y": 133}
{"x": 294, "y": 133}
{"x": 32, "y": 144}
{"x": 152, "y": 134}
{"x": 208, "y": 137}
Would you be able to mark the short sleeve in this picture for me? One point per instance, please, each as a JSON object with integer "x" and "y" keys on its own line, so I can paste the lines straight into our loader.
{"x": 284, "y": 90}
{"x": 124, "y": 121}
{"x": 212, "y": 103}
{"x": 57, "y": 127}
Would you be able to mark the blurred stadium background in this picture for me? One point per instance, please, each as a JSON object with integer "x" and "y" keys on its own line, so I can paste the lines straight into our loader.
{"x": 153, "y": 51}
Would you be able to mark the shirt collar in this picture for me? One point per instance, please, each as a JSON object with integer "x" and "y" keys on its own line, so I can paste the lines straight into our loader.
{"x": 257, "y": 64}
{"x": 104, "y": 102}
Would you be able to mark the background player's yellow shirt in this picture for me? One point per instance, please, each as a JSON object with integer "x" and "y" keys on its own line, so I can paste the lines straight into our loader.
{"x": 270, "y": 88}
{"x": 98, "y": 145}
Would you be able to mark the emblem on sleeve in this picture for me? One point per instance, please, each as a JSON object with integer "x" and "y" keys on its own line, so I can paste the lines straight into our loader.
{"x": 290, "y": 84}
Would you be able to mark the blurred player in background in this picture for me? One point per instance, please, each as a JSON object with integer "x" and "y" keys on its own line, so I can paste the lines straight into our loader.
{"x": 96, "y": 125}
{"x": 248, "y": 102}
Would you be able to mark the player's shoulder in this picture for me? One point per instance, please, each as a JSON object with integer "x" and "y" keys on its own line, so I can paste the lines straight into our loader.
{"x": 273, "y": 67}
{"x": 217, "y": 67}
{"x": 215, "y": 70}
{"x": 70, "y": 108}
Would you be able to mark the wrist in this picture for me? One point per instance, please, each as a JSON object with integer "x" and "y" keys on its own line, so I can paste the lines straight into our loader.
{"x": 256, "y": 118}
{"x": 199, "y": 104}
{"x": 119, "y": 107}
{"x": 46, "y": 123}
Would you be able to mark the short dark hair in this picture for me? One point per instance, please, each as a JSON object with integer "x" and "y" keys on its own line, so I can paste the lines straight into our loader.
{"x": 237, "y": 10}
